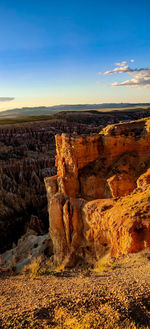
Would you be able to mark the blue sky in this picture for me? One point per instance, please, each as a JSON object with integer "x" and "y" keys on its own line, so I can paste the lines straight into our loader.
{"x": 56, "y": 52}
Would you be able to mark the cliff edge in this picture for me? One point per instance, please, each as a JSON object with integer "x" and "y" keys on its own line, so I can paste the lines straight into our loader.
{"x": 100, "y": 198}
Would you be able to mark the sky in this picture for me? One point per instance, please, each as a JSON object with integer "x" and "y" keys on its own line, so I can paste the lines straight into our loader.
{"x": 74, "y": 52}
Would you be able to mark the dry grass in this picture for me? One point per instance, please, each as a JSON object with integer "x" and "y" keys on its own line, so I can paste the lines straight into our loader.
{"x": 106, "y": 263}
{"x": 39, "y": 267}
{"x": 102, "y": 264}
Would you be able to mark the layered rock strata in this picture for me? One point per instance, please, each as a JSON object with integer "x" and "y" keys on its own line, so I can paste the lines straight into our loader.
{"x": 100, "y": 198}
{"x": 27, "y": 152}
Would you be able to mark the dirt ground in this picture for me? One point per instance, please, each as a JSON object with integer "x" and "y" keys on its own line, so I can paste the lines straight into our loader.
{"x": 114, "y": 296}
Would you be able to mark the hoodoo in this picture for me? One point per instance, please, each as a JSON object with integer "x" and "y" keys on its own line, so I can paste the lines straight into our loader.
{"x": 100, "y": 198}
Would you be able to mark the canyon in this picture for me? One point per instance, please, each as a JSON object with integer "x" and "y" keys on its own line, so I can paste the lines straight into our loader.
{"x": 27, "y": 157}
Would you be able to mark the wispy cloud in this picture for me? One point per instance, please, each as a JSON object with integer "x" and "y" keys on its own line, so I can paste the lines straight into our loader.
{"x": 140, "y": 76}
{"x": 118, "y": 70}
{"x": 133, "y": 83}
{"x": 6, "y": 99}
{"x": 121, "y": 64}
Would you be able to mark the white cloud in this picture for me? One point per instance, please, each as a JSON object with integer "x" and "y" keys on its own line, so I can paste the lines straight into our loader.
{"x": 140, "y": 77}
{"x": 118, "y": 70}
{"x": 121, "y": 64}
{"x": 142, "y": 82}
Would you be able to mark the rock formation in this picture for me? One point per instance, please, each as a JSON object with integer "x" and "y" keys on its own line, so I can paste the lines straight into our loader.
{"x": 27, "y": 155}
{"x": 100, "y": 198}
{"x": 29, "y": 247}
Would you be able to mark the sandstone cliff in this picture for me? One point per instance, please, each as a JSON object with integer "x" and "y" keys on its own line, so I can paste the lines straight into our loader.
{"x": 27, "y": 155}
{"x": 100, "y": 198}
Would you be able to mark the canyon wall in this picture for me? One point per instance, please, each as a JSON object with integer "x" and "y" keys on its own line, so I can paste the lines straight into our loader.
{"x": 100, "y": 198}
{"x": 27, "y": 156}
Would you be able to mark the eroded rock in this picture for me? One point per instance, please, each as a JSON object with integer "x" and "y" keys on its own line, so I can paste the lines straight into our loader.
{"x": 85, "y": 217}
{"x": 29, "y": 246}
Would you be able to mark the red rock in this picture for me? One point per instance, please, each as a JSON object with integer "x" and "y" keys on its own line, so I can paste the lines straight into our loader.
{"x": 144, "y": 179}
{"x": 121, "y": 185}
{"x": 100, "y": 168}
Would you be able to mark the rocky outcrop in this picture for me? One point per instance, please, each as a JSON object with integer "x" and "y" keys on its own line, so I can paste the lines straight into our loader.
{"x": 144, "y": 179}
{"x": 27, "y": 156}
{"x": 94, "y": 202}
{"x": 29, "y": 247}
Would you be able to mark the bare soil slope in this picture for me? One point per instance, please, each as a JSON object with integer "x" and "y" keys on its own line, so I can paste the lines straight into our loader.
{"x": 116, "y": 296}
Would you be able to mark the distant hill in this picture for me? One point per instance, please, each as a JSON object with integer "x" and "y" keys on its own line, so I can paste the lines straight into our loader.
{"x": 43, "y": 110}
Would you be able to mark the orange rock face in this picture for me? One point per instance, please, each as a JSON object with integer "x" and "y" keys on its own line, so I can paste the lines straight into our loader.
{"x": 73, "y": 154}
{"x": 144, "y": 179}
{"x": 85, "y": 219}
{"x": 121, "y": 184}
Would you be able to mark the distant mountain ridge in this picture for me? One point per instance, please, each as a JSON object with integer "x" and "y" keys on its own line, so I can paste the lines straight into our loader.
{"x": 43, "y": 110}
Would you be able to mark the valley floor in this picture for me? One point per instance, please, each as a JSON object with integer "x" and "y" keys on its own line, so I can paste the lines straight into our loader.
{"x": 114, "y": 296}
